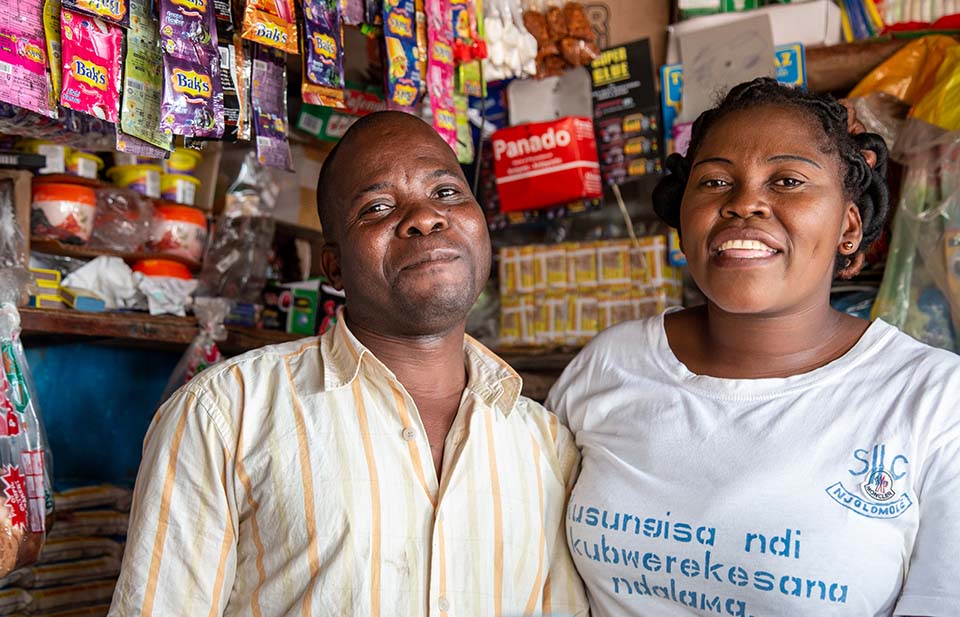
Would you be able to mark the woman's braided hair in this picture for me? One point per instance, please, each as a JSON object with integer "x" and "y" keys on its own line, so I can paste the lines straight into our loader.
{"x": 865, "y": 186}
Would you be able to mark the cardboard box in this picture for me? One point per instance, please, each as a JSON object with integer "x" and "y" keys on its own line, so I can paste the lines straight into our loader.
{"x": 618, "y": 22}
{"x": 546, "y": 164}
{"x": 812, "y": 24}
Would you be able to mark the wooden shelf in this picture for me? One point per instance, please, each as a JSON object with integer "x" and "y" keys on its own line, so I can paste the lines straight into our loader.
{"x": 53, "y": 247}
{"x": 838, "y": 68}
{"x": 138, "y": 328}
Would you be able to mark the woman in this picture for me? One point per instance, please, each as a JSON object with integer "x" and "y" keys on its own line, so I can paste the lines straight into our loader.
{"x": 765, "y": 454}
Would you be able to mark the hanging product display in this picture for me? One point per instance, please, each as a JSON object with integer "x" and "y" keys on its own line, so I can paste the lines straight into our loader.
{"x": 192, "y": 103}
{"x": 322, "y": 53}
{"x": 270, "y": 108}
{"x": 113, "y": 11}
{"x": 441, "y": 69}
{"x": 23, "y": 50}
{"x": 403, "y": 77}
{"x": 91, "y": 50}
{"x": 142, "y": 81}
{"x": 271, "y": 23}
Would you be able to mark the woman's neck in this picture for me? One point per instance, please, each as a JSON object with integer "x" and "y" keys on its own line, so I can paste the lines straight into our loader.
{"x": 710, "y": 341}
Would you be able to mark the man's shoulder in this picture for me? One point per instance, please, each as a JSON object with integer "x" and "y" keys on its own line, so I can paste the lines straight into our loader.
{"x": 255, "y": 362}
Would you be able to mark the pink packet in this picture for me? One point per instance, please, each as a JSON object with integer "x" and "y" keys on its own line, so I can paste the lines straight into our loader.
{"x": 441, "y": 69}
{"x": 91, "y": 52}
{"x": 23, "y": 57}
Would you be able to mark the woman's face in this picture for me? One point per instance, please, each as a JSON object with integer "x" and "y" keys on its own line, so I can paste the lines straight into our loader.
{"x": 764, "y": 213}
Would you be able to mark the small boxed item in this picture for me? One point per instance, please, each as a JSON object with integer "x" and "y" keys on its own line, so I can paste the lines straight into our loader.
{"x": 546, "y": 164}
{"x": 82, "y": 300}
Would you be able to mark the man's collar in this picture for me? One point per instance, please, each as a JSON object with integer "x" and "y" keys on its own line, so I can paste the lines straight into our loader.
{"x": 488, "y": 377}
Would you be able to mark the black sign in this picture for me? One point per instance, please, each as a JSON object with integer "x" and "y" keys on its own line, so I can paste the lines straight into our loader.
{"x": 626, "y": 112}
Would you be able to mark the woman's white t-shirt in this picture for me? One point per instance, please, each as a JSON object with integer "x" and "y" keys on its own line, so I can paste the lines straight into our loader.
{"x": 835, "y": 492}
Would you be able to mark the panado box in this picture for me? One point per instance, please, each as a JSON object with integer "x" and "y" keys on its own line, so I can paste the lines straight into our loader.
{"x": 546, "y": 164}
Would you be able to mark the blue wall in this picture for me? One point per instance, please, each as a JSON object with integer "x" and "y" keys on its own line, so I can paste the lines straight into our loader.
{"x": 97, "y": 402}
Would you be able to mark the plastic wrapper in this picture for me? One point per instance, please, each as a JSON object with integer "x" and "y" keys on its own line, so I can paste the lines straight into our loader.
{"x": 403, "y": 77}
{"x": 80, "y": 547}
{"x": 910, "y": 73}
{"x": 203, "y": 352}
{"x": 143, "y": 80}
{"x": 920, "y": 293}
{"x": 113, "y": 11}
{"x": 578, "y": 52}
{"x": 271, "y": 23}
{"x": 44, "y": 601}
{"x": 577, "y": 22}
{"x": 564, "y": 36}
{"x": 110, "y": 278}
{"x": 270, "y": 108}
{"x": 123, "y": 220}
{"x": 441, "y": 69}
{"x": 322, "y": 53}
{"x": 511, "y": 49}
{"x": 98, "y": 496}
{"x": 51, "y": 29}
{"x": 26, "y": 495}
{"x": 64, "y": 573}
{"x": 235, "y": 265}
{"x": 12, "y": 241}
{"x": 25, "y": 81}
{"x": 192, "y": 103}
{"x": 91, "y": 50}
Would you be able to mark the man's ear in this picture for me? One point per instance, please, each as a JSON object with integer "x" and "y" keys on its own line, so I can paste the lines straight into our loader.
{"x": 330, "y": 265}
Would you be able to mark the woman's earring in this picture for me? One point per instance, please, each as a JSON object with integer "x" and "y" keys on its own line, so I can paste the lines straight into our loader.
{"x": 848, "y": 245}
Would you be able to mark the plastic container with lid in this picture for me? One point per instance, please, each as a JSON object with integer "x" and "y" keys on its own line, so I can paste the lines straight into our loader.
{"x": 56, "y": 154}
{"x": 179, "y": 188}
{"x": 163, "y": 267}
{"x": 182, "y": 161}
{"x": 180, "y": 231}
{"x": 84, "y": 164}
{"x": 63, "y": 212}
{"x": 144, "y": 179}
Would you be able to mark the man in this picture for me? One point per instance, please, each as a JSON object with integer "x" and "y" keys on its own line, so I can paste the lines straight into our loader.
{"x": 390, "y": 467}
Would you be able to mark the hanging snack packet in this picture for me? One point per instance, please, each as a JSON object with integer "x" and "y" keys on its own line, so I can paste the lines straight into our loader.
{"x": 91, "y": 51}
{"x": 188, "y": 30}
{"x": 353, "y": 12}
{"x": 23, "y": 55}
{"x": 192, "y": 98}
{"x": 244, "y": 74}
{"x": 142, "y": 83}
{"x": 270, "y": 108}
{"x": 114, "y": 11}
{"x": 271, "y": 23}
{"x": 441, "y": 69}
{"x": 400, "y": 37}
{"x": 322, "y": 53}
{"x": 26, "y": 491}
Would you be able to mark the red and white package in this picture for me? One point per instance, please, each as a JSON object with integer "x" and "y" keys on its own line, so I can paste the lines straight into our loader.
{"x": 546, "y": 164}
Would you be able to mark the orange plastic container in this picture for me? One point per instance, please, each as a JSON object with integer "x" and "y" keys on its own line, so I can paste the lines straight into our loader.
{"x": 63, "y": 212}
{"x": 178, "y": 230}
{"x": 162, "y": 267}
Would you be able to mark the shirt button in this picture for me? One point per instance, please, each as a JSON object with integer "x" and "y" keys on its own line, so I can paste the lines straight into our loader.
{"x": 443, "y": 604}
{"x": 409, "y": 434}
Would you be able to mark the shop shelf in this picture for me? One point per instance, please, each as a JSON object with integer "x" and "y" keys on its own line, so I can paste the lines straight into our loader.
{"x": 138, "y": 329}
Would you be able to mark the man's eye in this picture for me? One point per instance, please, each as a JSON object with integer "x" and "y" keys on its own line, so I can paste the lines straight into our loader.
{"x": 446, "y": 192}
{"x": 375, "y": 209}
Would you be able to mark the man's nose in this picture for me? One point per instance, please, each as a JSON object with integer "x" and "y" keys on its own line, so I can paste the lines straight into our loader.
{"x": 423, "y": 220}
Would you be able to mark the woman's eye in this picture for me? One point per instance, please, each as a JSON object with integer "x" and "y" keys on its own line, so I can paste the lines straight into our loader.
{"x": 789, "y": 183}
{"x": 714, "y": 183}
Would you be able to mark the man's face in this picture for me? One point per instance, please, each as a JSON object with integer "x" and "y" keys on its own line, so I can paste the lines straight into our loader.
{"x": 411, "y": 246}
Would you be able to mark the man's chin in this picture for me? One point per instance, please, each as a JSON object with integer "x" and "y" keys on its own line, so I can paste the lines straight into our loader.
{"x": 437, "y": 310}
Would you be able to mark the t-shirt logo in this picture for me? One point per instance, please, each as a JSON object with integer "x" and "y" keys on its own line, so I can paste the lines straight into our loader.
{"x": 878, "y": 496}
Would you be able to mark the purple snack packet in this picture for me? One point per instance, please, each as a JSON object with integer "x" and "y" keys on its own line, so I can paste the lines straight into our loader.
{"x": 270, "y": 108}
{"x": 353, "y": 11}
{"x": 323, "y": 43}
{"x": 188, "y": 32}
{"x": 192, "y": 98}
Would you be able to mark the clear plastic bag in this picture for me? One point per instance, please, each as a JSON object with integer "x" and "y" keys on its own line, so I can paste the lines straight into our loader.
{"x": 920, "y": 293}
{"x": 26, "y": 490}
{"x": 203, "y": 351}
{"x": 236, "y": 262}
{"x": 123, "y": 220}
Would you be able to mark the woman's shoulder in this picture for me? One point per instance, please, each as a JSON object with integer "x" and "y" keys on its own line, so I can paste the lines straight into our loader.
{"x": 627, "y": 340}
{"x": 901, "y": 353}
